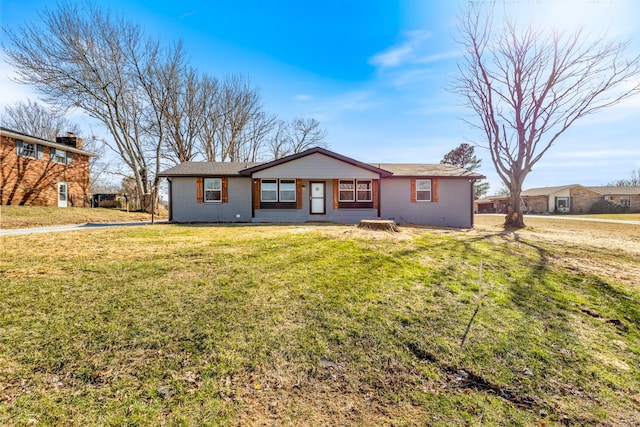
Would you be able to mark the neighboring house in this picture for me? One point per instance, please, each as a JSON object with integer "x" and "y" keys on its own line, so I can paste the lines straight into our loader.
{"x": 320, "y": 185}
{"x": 37, "y": 172}
{"x": 572, "y": 198}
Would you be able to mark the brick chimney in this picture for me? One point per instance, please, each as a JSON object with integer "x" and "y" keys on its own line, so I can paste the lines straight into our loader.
{"x": 71, "y": 140}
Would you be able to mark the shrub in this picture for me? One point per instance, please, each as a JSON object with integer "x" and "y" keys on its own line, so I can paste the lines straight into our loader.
{"x": 605, "y": 207}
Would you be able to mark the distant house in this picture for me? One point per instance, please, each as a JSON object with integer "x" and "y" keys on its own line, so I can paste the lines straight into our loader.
{"x": 573, "y": 198}
{"x": 38, "y": 172}
{"x": 320, "y": 185}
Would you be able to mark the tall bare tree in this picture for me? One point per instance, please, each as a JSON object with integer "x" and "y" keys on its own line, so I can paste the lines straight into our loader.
{"x": 35, "y": 119}
{"x": 527, "y": 87}
{"x": 87, "y": 57}
{"x": 296, "y": 136}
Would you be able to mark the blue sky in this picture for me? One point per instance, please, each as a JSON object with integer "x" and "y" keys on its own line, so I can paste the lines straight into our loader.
{"x": 374, "y": 73}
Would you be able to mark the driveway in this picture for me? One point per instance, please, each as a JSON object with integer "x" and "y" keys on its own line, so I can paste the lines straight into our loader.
{"x": 573, "y": 218}
{"x": 73, "y": 227}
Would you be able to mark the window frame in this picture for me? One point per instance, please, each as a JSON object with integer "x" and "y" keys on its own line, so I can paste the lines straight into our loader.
{"x": 21, "y": 149}
{"x": 206, "y": 190}
{"x": 269, "y": 181}
{"x": 625, "y": 201}
{"x": 351, "y": 191}
{"x": 279, "y": 191}
{"x": 354, "y": 190}
{"x": 287, "y": 181}
{"x": 422, "y": 190}
{"x": 59, "y": 156}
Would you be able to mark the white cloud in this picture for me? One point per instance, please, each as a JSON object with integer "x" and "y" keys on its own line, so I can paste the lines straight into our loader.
{"x": 303, "y": 97}
{"x": 402, "y": 53}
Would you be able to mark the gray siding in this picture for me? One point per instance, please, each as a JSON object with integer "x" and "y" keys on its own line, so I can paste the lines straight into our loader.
{"x": 338, "y": 216}
{"x": 316, "y": 166}
{"x": 453, "y": 208}
{"x": 186, "y": 209}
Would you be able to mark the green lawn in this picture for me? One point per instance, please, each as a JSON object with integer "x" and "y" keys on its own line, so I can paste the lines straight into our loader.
{"x": 301, "y": 325}
{"x": 40, "y": 216}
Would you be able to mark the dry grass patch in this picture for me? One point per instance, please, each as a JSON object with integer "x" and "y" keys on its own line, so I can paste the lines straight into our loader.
{"x": 313, "y": 325}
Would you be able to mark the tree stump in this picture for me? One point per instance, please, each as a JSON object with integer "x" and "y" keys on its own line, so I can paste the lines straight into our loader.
{"x": 374, "y": 224}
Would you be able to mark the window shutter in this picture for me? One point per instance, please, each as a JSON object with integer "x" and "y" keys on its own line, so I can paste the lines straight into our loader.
{"x": 40, "y": 152}
{"x": 434, "y": 190}
{"x": 69, "y": 157}
{"x": 256, "y": 194}
{"x": 225, "y": 190}
{"x": 18, "y": 147}
{"x": 298, "y": 194}
{"x": 413, "y": 190}
{"x": 335, "y": 194}
{"x": 375, "y": 184}
{"x": 199, "y": 190}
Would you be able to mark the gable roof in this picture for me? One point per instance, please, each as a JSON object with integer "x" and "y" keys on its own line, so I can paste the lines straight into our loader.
{"x": 546, "y": 191}
{"x": 249, "y": 171}
{"x": 208, "y": 169}
{"x": 423, "y": 169}
{"x": 618, "y": 191}
{"x": 36, "y": 140}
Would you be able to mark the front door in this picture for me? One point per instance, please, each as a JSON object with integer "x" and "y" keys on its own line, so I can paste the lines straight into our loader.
{"x": 63, "y": 194}
{"x": 317, "y": 198}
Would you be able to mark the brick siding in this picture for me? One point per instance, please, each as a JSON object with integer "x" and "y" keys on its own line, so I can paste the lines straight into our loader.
{"x": 34, "y": 182}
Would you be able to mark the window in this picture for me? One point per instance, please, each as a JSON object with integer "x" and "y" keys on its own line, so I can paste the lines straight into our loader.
{"x": 213, "y": 190}
{"x": 26, "y": 149}
{"x": 269, "y": 190}
{"x": 364, "y": 191}
{"x": 273, "y": 190}
{"x": 355, "y": 191}
{"x": 423, "y": 190}
{"x": 60, "y": 156}
{"x": 625, "y": 201}
{"x": 346, "y": 191}
{"x": 287, "y": 190}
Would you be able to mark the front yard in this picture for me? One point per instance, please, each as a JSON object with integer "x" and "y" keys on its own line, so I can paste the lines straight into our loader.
{"x": 319, "y": 325}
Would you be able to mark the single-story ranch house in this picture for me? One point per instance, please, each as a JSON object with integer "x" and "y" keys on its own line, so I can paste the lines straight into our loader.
{"x": 320, "y": 185}
{"x": 573, "y": 198}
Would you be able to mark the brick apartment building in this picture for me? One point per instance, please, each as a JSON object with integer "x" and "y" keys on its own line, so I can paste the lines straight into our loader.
{"x": 37, "y": 172}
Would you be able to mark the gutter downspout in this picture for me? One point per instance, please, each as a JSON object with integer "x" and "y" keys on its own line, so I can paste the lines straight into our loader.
{"x": 472, "y": 182}
{"x": 170, "y": 204}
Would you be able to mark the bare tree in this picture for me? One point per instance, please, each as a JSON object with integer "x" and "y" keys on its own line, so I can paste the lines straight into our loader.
{"x": 296, "y": 136}
{"x": 234, "y": 126}
{"x": 35, "y": 119}
{"x": 211, "y": 116}
{"x": 306, "y": 133}
{"x": 633, "y": 181}
{"x": 84, "y": 57}
{"x": 528, "y": 87}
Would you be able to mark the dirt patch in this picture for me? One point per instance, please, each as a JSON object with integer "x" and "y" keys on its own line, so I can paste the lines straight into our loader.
{"x": 588, "y": 247}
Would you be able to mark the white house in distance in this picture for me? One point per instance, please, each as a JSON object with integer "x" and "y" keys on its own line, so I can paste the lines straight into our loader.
{"x": 320, "y": 185}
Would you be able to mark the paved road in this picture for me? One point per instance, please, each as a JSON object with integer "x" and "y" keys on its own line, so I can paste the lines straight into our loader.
{"x": 59, "y": 228}
{"x": 573, "y": 218}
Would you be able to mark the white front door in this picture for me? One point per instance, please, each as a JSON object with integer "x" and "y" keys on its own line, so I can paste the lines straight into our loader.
{"x": 63, "y": 194}
{"x": 317, "y": 198}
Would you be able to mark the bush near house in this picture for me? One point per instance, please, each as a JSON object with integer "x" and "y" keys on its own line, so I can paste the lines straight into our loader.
{"x": 607, "y": 207}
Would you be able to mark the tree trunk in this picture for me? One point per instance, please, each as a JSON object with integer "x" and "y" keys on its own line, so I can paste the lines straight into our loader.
{"x": 384, "y": 225}
{"x": 514, "y": 218}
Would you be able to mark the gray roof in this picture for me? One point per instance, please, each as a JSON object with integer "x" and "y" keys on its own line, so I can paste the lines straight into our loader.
{"x": 384, "y": 169}
{"x": 546, "y": 191}
{"x": 208, "y": 169}
{"x": 424, "y": 169}
{"x": 617, "y": 191}
{"x": 36, "y": 140}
